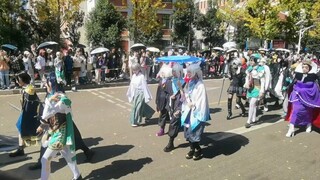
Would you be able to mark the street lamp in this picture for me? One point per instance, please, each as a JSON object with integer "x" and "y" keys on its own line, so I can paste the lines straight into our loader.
{"x": 301, "y": 32}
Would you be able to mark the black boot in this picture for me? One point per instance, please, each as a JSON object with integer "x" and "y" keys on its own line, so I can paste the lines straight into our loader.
{"x": 18, "y": 152}
{"x": 229, "y": 108}
{"x": 243, "y": 109}
{"x": 191, "y": 152}
{"x": 198, "y": 153}
{"x": 170, "y": 145}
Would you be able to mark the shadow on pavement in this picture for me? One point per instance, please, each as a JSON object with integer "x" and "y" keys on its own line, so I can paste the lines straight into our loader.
{"x": 151, "y": 121}
{"x": 215, "y": 110}
{"x": 119, "y": 168}
{"x": 222, "y": 143}
{"x": 92, "y": 141}
{"x": 269, "y": 118}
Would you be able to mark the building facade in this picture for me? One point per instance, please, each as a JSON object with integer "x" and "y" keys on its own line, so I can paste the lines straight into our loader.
{"x": 125, "y": 8}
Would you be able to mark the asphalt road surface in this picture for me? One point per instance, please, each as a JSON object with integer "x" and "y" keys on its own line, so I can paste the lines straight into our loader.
{"x": 124, "y": 152}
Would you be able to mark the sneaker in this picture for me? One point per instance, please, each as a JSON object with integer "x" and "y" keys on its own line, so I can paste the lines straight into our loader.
{"x": 79, "y": 178}
{"x": 237, "y": 106}
{"x": 247, "y": 125}
{"x": 134, "y": 125}
{"x": 190, "y": 154}
{"x": 265, "y": 109}
{"x": 197, "y": 155}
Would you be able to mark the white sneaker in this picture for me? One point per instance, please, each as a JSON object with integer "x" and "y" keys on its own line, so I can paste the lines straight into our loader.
{"x": 309, "y": 128}
{"x": 237, "y": 106}
{"x": 265, "y": 109}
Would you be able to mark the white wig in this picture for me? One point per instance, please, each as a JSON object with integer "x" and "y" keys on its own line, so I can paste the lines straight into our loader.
{"x": 135, "y": 67}
{"x": 178, "y": 69}
{"x": 165, "y": 71}
{"x": 195, "y": 70}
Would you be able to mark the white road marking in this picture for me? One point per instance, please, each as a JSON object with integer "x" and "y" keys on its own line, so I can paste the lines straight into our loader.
{"x": 101, "y": 97}
{"x": 212, "y": 88}
{"x": 111, "y": 101}
{"x": 94, "y": 93}
{"x": 124, "y": 107}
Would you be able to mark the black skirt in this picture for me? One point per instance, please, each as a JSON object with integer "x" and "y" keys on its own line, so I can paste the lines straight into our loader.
{"x": 239, "y": 91}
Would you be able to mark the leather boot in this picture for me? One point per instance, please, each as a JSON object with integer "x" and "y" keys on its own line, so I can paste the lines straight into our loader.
{"x": 18, "y": 152}
{"x": 170, "y": 146}
{"x": 229, "y": 108}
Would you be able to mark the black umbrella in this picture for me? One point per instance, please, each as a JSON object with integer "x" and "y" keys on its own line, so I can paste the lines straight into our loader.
{"x": 81, "y": 46}
{"x": 9, "y": 47}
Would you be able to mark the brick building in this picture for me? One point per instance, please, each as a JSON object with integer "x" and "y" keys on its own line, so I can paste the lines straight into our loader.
{"x": 125, "y": 7}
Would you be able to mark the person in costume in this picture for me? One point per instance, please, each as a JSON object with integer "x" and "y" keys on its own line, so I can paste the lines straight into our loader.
{"x": 237, "y": 76}
{"x": 139, "y": 95}
{"x": 27, "y": 122}
{"x": 58, "y": 118}
{"x": 164, "y": 91}
{"x": 195, "y": 110}
{"x": 54, "y": 88}
{"x": 304, "y": 100}
{"x": 255, "y": 85}
{"x": 267, "y": 81}
{"x": 59, "y": 69}
{"x": 175, "y": 103}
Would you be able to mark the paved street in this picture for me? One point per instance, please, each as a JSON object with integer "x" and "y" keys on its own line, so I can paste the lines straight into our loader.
{"x": 123, "y": 152}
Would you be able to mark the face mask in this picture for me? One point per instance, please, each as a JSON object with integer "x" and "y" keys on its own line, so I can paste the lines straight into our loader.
{"x": 187, "y": 79}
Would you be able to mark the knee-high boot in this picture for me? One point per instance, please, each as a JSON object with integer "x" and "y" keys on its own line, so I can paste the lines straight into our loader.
{"x": 229, "y": 108}
{"x": 243, "y": 109}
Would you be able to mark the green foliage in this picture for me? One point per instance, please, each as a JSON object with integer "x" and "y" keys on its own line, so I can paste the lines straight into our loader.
{"x": 144, "y": 23}
{"x": 104, "y": 25}
{"x": 211, "y": 25}
{"x": 13, "y": 29}
{"x": 183, "y": 20}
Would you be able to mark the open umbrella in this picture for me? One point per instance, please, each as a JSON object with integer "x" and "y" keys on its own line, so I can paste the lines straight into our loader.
{"x": 263, "y": 49}
{"x": 9, "y": 47}
{"x": 283, "y": 50}
{"x": 99, "y": 50}
{"x": 179, "y": 59}
{"x": 229, "y": 45}
{"x": 138, "y": 46}
{"x": 176, "y": 47}
{"x": 81, "y": 46}
{"x": 217, "y": 49}
{"x": 153, "y": 49}
{"x": 232, "y": 50}
{"x": 47, "y": 44}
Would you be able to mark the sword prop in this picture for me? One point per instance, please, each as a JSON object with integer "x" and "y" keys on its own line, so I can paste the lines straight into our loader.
{"x": 14, "y": 107}
{"x": 221, "y": 90}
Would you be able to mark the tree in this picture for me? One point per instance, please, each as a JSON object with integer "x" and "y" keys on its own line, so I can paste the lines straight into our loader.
{"x": 53, "y": 19}
{"x": 210, "y": 25}
{"x": 144, "y": 22}
{"x": 104, "y": 25}
{"x": 183, "y": 20}
{"x": 12, "y": 29}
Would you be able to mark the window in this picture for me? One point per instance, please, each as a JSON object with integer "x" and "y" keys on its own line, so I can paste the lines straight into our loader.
{"x": 167, "y": 1}
{"x": 166, "y": 21}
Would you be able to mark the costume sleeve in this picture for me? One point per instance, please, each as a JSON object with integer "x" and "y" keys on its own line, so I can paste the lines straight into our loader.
{"x": 201, "y": 108}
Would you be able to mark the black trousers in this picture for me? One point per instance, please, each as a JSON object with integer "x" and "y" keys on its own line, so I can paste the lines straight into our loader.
{"x": 164, "y": 116}
{"x": 68, "y": 77}
{"x": 174, "y": 127}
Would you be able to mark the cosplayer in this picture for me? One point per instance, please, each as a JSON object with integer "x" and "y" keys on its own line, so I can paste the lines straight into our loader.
{"x": 139, "y": 95}
{"x": 27, "y": 122}
{"x": 164, "y": 91}
{"x": 255, "y": 85}
{"x": 79, "y": 143}
{"x": 195, "y": 110}
{"x": 304, "y": 100}
{"x": 237, "y": 76}
{"x": 59, "y": 69}
{"x": 175, "y": 104}
{"x": 58, "y": 118}
{"x": 267, "y": 82}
